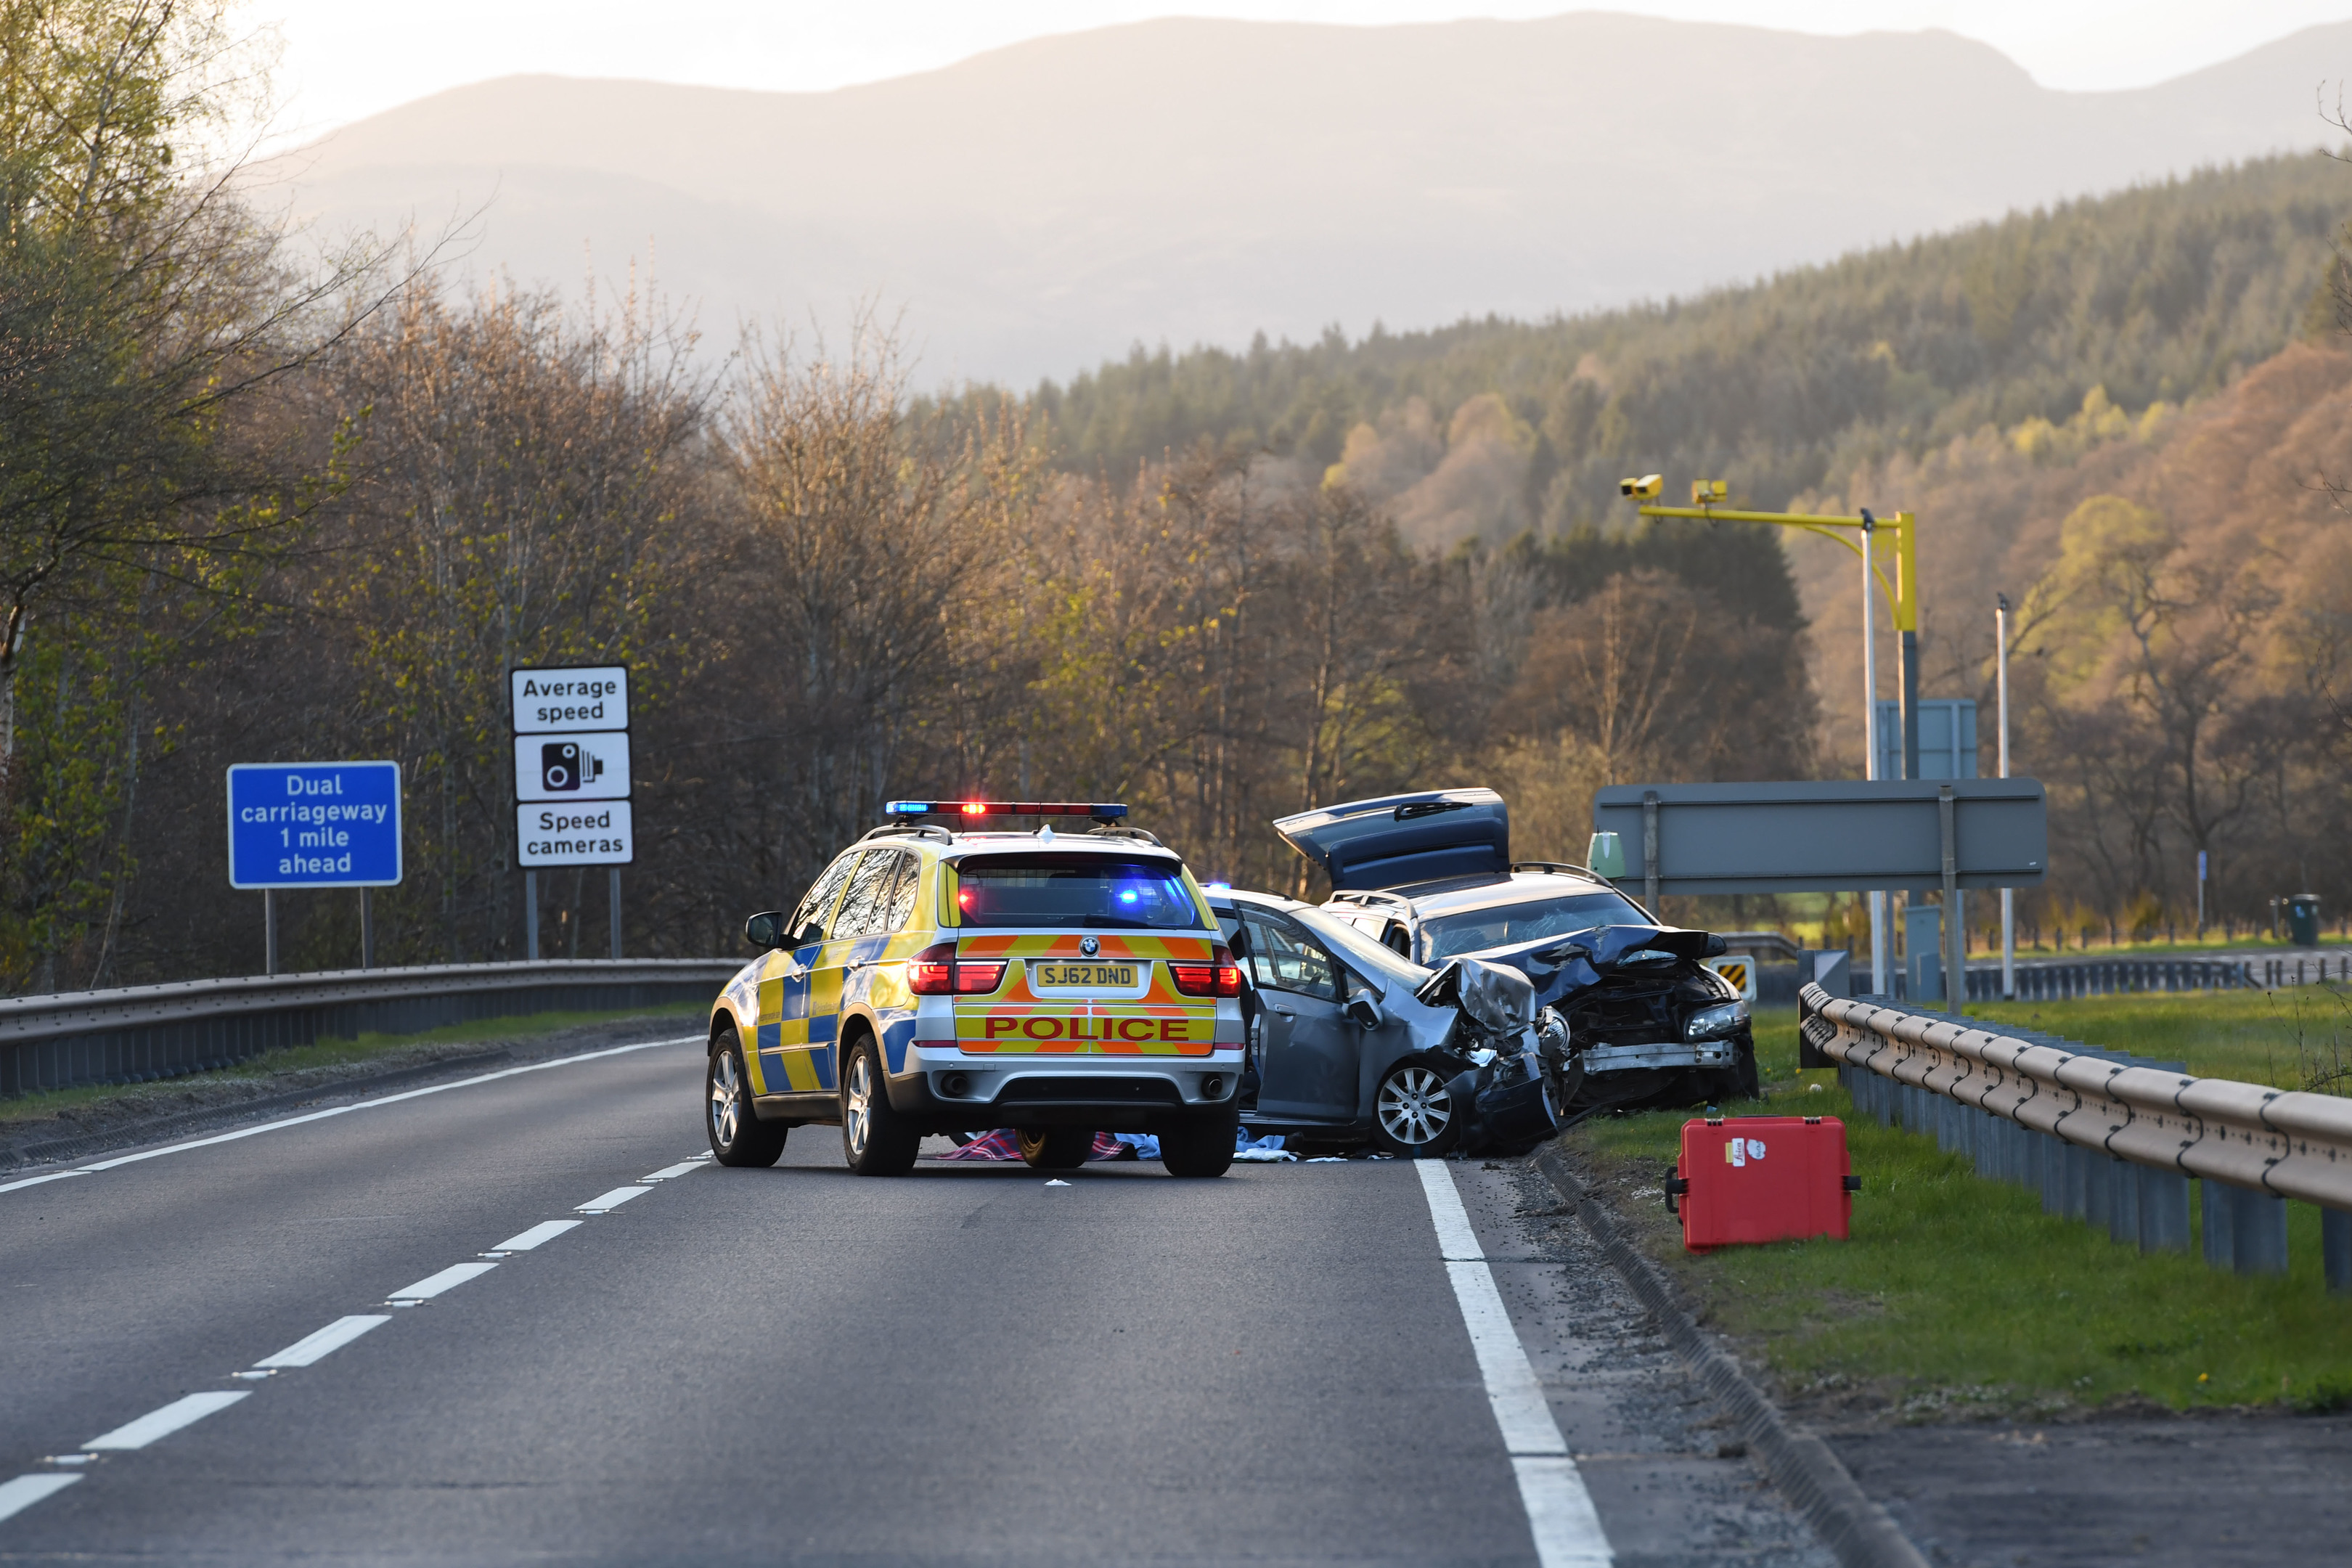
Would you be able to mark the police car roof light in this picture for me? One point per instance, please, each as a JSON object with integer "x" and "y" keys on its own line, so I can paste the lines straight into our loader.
{"x": 1101, "y": 810}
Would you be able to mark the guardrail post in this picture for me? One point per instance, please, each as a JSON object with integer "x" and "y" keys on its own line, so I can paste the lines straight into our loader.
{"x": 2123, "y": 1200}
{"x": 2261, "y": 1234}
{"x": 2097, "y": 1212}
{"x": 2335, "y": 1249}
{"x": 2163, "y": 1210}
{"x": 2221, "y": 1224}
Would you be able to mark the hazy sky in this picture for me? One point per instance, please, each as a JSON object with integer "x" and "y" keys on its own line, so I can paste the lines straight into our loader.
{"x": 345, "y": 60}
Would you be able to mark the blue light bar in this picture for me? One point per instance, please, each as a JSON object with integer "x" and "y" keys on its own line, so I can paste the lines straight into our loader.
{"x": 1101, "y": 810}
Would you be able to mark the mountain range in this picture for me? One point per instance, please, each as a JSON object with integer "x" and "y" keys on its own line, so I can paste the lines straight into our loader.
{"x": 1037, "y": 208}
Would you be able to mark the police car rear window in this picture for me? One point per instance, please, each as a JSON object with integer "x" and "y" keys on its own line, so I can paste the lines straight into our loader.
{"x": 1072, "y": 890}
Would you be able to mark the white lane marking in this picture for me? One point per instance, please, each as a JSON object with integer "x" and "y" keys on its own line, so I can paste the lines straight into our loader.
{"x": 332, "y": 1337}
{"x": 682, "y": 1168}
{"x": 449, "y": 1279}
{"x": 35, "y": 1181}
{"x": 1560, "y": 1515}
{"x": 611, "y": 1200}
{"x": 22, "y": 1493}
{"x": 545, "y": 1230}
{"x": 1455, "y": 1237}
{"x": 283, "y": 1123}
{"x": 165, "y": 1422}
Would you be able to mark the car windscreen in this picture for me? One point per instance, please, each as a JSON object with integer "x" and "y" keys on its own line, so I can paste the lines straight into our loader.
{"x": 1378, "y": 962}
{"x": 1071, "y": 890}
{"x": 1500, "y": 925}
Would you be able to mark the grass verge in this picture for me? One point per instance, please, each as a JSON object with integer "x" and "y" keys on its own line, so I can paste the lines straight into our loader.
{"x": 1957, "y": 1297}
{"x": 2296, "y": 1037}
{"x": 19, "y": 1116}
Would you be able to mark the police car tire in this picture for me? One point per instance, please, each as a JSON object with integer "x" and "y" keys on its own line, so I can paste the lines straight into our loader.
{"x": 1423, "y": 1068}
{"x": 890, "y": 1144}
{"x": 1055, "y": 1147}
{"x": 752, "y": 1141}
{"x": 1200, "y": 1149}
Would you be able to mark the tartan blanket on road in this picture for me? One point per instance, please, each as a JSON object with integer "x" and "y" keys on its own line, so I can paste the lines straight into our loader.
{"x": 1002, "y": 1145}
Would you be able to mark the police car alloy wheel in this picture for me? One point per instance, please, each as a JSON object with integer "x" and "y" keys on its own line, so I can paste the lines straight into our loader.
{"x": 874, "y": 1140}
{"x": 737, "y": 1137}
{"x": 1413, "y": 1115}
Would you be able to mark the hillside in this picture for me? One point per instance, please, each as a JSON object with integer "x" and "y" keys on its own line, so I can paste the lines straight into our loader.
{"x": 1038, "y": 208}
{"x": 2159, "y": 293}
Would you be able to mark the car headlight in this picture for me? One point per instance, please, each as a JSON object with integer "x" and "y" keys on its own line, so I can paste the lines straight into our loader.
{"x": 1714, "y": 1023}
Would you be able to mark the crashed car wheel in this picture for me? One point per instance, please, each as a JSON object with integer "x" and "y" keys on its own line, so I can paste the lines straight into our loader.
{"x": 1412, "y": 1116}
{"x": 1055, "y": 1147}
{"x": 737, "y": 1137}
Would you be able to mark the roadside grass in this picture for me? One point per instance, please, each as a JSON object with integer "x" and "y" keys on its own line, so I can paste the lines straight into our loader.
{"x": 2296, "y": 1037}
{"x": 1958, "y": 1297}
{"x": 16, "y": 1114}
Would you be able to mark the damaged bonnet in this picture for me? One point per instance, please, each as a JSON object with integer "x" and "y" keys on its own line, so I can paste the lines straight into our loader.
{"x": 1499, "y": 999}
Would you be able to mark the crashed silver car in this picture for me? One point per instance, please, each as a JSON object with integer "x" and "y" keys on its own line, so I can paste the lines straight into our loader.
{"x": 1430, "y": 876}
{"x": 1353, "y": 1042}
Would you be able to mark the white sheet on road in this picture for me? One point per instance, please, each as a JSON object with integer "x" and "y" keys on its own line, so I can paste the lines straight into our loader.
{"x": 1560, "y": 1515}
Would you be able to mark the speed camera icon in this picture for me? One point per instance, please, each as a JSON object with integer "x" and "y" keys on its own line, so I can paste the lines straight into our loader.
{"x": 578, "y": 767}
{"x": 566, "y": 765}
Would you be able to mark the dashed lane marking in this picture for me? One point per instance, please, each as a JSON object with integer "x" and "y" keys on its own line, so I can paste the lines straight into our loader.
{"x": 22, "y": 1493}
{"x": 326, "y": 1342}
{"x": 283, "y": 1123}
{"x": 449, "y": 1279}
{"x": 546, "y": 1230}
{"x": 25, "y": 1490}
{"x": 163, "y": 1422}
{"x": 1560, "y": 1515}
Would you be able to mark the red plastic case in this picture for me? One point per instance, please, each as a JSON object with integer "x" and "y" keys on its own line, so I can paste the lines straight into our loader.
{"x": 1762, "y": 1178}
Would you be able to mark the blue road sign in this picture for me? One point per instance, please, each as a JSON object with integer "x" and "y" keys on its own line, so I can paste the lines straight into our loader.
{"x": 314, "y": 825}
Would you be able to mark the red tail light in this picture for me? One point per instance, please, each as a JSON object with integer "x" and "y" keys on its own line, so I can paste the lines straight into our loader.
{"x": 936, "y": 972}
{"x": 1221, "y": 977}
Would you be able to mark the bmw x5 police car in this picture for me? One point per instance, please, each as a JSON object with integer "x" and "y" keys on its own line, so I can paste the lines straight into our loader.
{"x": 935, "y": 979}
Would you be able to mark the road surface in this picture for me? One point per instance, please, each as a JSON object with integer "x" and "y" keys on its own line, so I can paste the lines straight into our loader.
{"x": 520, "y": 1318}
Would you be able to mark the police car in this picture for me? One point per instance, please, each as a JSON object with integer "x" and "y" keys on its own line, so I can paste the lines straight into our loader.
{"x": 942, "y": 975}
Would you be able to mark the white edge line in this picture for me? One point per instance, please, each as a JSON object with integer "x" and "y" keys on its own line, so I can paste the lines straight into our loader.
{"x": 344, "y": 1109}
{"x": 163, "y": 1422}
{"x": 611, "y": 1200}
{"x": 545, "y": 1231}
{"x": 449, "y": 1279}
{"x": 1561, "y": 1520}
{"x": 316, "y": 1347}
{"x": 18, "y": 1494}
{"x": 35, "y": 1181}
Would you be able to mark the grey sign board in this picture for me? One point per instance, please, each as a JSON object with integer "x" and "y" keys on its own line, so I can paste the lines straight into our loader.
{"x": 1835, "y": 836}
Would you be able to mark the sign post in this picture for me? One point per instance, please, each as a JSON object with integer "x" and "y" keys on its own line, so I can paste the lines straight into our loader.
{"x": 572, "y": 779}
{"x": 313, "y": 824}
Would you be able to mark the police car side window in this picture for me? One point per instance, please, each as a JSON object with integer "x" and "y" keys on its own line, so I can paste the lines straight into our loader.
{"x": 1282, "y": 959}
{"x": 819, "y": 902}
{"x": 861, "y": 906}
{"x": 900, "y": 905}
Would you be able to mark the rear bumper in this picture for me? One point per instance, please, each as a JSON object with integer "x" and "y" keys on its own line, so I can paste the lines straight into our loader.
{"x": 1070, "y": 1093}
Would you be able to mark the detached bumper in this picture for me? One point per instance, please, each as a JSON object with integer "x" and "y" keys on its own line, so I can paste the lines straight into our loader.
{"x": 1662, "y": 1053}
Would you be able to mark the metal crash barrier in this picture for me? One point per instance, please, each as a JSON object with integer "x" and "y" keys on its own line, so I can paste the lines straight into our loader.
{"x": 2103, "y": 1136}
{"x": 138, "y": 1033}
